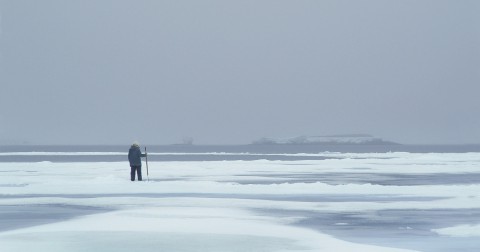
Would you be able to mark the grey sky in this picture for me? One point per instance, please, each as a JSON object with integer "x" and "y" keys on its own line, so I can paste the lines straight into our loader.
{"x": 114, "y": 71}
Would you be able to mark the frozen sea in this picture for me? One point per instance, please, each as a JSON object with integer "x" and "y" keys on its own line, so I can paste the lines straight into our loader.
{"x": 241, "y": 198}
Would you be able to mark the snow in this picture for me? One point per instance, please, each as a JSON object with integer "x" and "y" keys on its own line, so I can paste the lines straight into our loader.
{"x": 229, "y": 205}
{"x": 179, "y": 222}
{"x": 467, "y": 230}
{"x": 190, "y": 221}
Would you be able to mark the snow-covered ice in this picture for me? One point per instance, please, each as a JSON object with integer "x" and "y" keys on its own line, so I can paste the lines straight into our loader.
{"x": 345, "y": 202}
{"x": 460, "y": 231}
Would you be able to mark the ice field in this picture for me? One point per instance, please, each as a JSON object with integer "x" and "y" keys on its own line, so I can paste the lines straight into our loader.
{"x": 394, "y": 201}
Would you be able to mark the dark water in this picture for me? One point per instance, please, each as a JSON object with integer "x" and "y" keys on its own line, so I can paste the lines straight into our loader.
{"x": 230, "y": 152}
{"x": 21, "y": 216}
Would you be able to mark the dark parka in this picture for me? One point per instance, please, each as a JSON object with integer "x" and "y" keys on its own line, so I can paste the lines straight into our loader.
{"x": 135, "y": 155}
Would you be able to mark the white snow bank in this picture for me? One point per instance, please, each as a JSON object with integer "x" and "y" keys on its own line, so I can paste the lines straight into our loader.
{"x": 163, "y": 223}
{"x": 460, "y": 231}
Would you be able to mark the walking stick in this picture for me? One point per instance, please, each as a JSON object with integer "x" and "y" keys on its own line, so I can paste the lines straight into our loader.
{"x": 146, "y": 162}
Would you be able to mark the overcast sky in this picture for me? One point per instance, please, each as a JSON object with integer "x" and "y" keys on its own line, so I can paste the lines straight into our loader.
{"x": 227, "y": 72}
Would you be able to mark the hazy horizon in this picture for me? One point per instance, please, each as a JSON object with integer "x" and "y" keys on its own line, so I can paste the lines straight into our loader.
{"x": 230, "y": 72}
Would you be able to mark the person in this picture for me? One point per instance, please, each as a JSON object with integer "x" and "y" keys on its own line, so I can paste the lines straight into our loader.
{"x": 135, "y": 158}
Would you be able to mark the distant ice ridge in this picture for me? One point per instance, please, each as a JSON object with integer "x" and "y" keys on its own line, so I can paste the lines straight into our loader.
{"x": 58, "y": 153}
{"x": 330, "y": 139}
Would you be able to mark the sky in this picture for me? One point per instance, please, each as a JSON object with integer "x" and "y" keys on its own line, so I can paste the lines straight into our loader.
{"x": 230, "y": 72}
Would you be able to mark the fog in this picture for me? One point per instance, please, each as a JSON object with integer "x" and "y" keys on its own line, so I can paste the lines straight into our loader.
{"x": 230, "y": 72}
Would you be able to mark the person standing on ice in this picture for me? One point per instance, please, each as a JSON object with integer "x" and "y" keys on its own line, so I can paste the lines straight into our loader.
{"x": 135, "y": 158}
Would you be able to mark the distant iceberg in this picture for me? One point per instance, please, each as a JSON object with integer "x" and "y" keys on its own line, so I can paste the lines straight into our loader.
{"x": 348, "y": 139}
